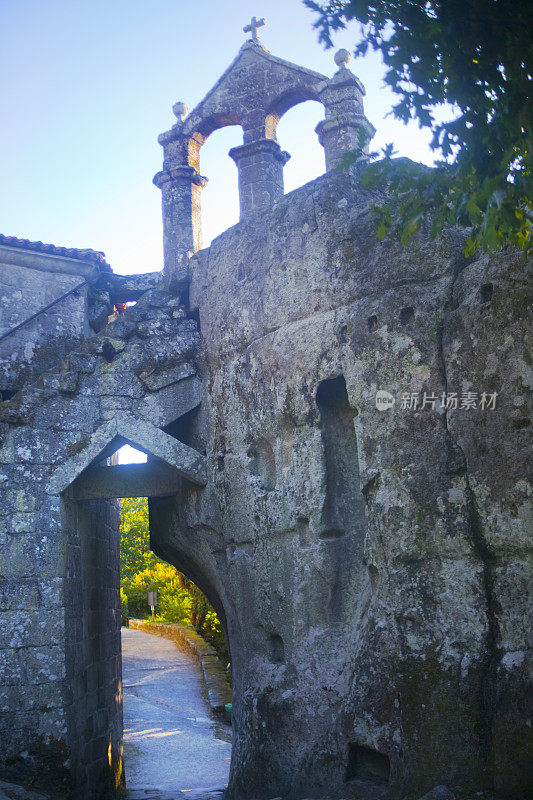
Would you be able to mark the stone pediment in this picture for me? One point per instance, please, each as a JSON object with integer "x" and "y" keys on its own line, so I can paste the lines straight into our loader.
{"x": 254, "y": 92}
{"x": 255, "y": 84}
{"x": 127, "y": 429}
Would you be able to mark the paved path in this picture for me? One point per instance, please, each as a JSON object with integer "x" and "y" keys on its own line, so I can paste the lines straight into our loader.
{"x": 170, "y": 741}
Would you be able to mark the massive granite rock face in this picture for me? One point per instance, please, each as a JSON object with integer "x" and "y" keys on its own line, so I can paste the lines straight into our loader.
{"x": 370, "y": 564}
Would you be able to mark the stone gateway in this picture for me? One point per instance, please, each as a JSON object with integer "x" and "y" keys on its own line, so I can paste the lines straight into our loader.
{"x": 368, "y": 559}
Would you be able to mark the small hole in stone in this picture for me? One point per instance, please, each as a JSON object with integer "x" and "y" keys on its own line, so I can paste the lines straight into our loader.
{"x": 485, "y": 292}
{"x": 374, "y": 575}
{"x": 372, "y": 323}
{"x": 108, "y": 351}
{"x": 407, "y": 315}
{"x": 220, "y": 463}
{"x": 332, "y": 533}
{"x": 344, "y": 333}
{"x": 304, "y": 534}
{"x": 367, "y": 764}
{"x": 243, "y": 272}
{"x": 262, "y": 463}
{"x": 277, "y": 648}
{"x": 520, "y": 424}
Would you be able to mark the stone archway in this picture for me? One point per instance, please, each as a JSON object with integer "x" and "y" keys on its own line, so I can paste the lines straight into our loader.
{"x": 131, "y": 384}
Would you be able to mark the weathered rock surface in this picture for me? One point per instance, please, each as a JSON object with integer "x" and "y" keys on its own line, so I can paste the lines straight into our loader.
{"x": 439, "y": 793}
{"x": 11, "y": 791}
{"x": 370, "y": 565}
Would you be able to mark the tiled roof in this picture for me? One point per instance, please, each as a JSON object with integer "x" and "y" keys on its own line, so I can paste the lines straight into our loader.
{"x": 95, "y": 256}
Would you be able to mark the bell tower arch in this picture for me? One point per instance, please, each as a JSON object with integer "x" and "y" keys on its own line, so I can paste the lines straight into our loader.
{"x": 254, "y": 92}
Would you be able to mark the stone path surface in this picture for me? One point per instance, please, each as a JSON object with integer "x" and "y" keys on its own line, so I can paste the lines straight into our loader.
{"x": 171, "y": 744}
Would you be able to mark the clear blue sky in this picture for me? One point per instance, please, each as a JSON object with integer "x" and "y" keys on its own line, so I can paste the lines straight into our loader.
{"x": 87, "y": 86}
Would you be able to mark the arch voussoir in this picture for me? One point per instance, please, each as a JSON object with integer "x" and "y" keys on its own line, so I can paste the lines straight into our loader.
{"x": 185, "y": 461}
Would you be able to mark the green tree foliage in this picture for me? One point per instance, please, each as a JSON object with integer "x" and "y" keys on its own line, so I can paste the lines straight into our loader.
{"x": 123, "y": 606}
{"x": 135, "y": 553}
{"x": 173, "y": 602}
{"x": 477, "y": 56}
{"x": 179, "y": 599}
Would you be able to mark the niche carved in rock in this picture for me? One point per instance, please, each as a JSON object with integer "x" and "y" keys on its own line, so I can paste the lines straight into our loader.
{"x": 262, "y": 464}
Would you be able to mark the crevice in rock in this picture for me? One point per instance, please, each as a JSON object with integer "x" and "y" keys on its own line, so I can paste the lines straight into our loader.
{"x": 457, "y": 463}
{"x": 370, "y": 487}
{"x": 487, "y": 688}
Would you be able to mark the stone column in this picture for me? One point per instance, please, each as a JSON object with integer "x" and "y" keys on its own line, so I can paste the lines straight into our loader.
{"x": 260, "y": 164}
{"x": 181, "y": 186}
{"x": 345, "y": 127}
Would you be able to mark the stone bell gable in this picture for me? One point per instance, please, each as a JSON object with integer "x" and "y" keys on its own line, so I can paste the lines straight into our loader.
{"x": 254, "y": 92}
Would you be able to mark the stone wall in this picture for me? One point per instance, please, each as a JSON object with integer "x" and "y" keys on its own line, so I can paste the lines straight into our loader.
{"x": 92, "y": 644}
{"x": 29, "y": 281}
{"x": 370, "y": 565}
{"x": 60, "y": 670}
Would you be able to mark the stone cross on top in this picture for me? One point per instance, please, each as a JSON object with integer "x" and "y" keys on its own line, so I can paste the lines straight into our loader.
{"x": 253, "y": 26}
{"x": 254, "y": 93}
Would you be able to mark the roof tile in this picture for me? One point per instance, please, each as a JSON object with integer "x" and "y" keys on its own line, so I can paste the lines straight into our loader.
{"x": 95, "y": 256}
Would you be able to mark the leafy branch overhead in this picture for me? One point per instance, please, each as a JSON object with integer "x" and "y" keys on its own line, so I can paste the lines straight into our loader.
{"x": 475, "y": 56}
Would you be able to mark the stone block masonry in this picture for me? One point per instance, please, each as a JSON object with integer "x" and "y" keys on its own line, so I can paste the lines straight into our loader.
{"x": 61, "y": 704}
{"x": 32, "y": 278}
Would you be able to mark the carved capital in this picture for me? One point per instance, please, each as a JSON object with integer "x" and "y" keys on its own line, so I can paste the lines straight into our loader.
{"x": 258, "y": 148}
{"x": 183, "y": 173}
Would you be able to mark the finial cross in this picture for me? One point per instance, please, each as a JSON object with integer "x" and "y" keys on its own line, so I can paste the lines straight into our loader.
{"x": 253, "y": 26}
